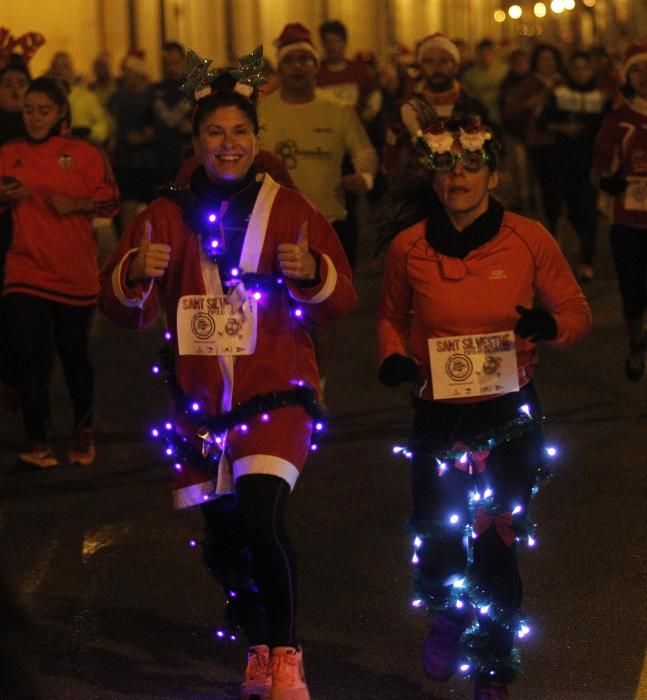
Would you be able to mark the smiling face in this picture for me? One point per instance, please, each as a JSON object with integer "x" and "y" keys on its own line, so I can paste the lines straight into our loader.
{"x": 40, "y": 114}
{"x": 226, "y": 144}
{"x": 464, "y": 194}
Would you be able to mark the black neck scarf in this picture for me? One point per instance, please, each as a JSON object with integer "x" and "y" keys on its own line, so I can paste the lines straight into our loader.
{"x": 447, "y": 240}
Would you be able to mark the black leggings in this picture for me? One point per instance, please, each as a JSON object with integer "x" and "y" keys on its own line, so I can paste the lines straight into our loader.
{"x": 629, "y": 248}
{"x": 439, "y": 496}
{"x": 248, "y": 550}
{"x": 42, "y": 328}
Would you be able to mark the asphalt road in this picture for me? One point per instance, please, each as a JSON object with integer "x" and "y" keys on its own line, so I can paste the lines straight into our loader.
{"x": 122, "y": 607}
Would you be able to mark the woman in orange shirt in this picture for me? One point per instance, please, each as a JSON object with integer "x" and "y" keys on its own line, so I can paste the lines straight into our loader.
{"x": 469, "y": 289}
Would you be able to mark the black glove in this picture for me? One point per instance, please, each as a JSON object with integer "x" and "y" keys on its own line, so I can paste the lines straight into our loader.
{"x": 613, "y": 184}
{"x": 397, "y": 369}
{"x": 536, "y": 324}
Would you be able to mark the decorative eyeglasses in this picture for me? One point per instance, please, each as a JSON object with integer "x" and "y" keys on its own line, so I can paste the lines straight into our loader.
{"x": 472, "y": 161}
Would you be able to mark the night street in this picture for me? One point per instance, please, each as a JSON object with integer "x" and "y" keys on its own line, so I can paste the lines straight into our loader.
{"x": 123, "y": 607}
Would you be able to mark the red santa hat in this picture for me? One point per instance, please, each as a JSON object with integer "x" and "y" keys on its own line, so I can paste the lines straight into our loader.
{"x": 295, "y": 37}
{"x": 135, "y": 61}
{"x": 635, "y": 53}
{"x": 438, "y": 41}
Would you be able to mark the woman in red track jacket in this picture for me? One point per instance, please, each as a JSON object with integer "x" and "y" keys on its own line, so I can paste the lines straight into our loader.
{"x": 54, "y": 185}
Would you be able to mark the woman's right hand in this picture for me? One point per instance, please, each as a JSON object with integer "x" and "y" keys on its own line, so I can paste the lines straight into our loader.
{"x": 151, "y": 260}
{"x": 11, "y": 190}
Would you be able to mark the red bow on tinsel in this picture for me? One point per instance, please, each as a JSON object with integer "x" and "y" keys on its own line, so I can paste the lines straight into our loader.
{"x": 470, "y": 459}
{"x": 502, "y": 522}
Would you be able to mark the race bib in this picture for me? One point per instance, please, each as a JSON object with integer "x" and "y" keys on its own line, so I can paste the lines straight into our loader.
{"x": 636, "y": 194}
{"x": 217, "y": 325}
{"x": 473, "y": 365}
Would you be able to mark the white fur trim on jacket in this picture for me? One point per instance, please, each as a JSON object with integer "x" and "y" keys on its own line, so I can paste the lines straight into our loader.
{"x": 266, "y": 464}
{"x": 118, "y": 287}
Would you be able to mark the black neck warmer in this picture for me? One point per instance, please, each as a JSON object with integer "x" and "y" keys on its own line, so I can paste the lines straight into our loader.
{"x": 444, "y": 238}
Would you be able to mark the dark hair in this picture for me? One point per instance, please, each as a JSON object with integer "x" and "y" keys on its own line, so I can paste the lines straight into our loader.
{"x": 485, "y": 44}
{"x": 173, "y": 46}
{"x": 57, "y": 92}
{"x": 224, "y": 98}
{"x": 580, "y": 53}
{"x": 15, "y": 67}
{"x": 333, "y": 26}
{"x": 540, "y": 48}
{"x": 410, "y": 196}
{"x": 53, "y": 88}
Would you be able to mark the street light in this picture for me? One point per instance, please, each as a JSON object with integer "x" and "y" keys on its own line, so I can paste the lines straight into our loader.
{"x": 540, "y": 9}
{"x": 515, "y": 11}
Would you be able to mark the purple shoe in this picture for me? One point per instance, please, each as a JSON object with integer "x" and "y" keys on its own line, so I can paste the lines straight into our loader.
{"x": 441, "y": 649}
{"x": 491, "y": 691}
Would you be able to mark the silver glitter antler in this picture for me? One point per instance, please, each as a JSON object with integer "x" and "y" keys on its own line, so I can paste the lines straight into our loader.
{"x": 251, "y": 69}
{"x": 196, "y": 73}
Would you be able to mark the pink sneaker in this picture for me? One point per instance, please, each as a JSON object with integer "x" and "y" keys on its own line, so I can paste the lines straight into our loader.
{"x": 288, "y": 678}
{"x": 258, "y": 674}
{"x": 441, "y": 648}
{"x": 39, "y": 455}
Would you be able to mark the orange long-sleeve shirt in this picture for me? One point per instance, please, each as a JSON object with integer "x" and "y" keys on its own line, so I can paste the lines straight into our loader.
{"x": 429, "y": 295}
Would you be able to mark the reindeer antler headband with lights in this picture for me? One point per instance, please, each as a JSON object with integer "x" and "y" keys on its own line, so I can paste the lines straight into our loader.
{"x": 27, "y": 44}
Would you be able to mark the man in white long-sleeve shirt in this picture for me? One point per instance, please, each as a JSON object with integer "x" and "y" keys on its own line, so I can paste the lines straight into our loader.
{"x": 311, "y": 132}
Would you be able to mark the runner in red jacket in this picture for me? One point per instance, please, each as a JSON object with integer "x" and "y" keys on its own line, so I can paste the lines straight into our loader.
{"x": 245, "y": 268}
{"x": 54, "y": 185}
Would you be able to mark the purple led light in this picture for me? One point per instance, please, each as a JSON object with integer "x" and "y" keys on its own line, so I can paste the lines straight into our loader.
{"x": 314, "y": 448}
{"x": 298, "y": 312}
{"x": 155, "y": 432}
{"x": 265, "y": 417}
{"x": 214, "y": 243}
{"x": 168, "y": 426}
{"x": 169, "y": 451}
{"x": 220, "y": 634}
{"x": 178, "y": 467}
{"x": 319, "y": 426}
{"x": 155, "y": 369}
{"x": 195, "y": 406}
{"x": 167, "y": 335}
{"x": 193, "y": 543}
{"x": 235, "y": 272}
{"x": 212, "y": 218}
{"x": 257, "y": 296}
{"x": 244, "y": 427}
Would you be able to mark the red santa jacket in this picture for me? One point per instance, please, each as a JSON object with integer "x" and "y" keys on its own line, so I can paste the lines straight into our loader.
{"x": 429, "y": 295}
{"x": 621, "y": 149}
{"x": 283, "y": 355}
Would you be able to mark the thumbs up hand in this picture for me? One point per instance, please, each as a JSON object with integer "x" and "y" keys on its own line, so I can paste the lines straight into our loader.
{"x": 151, "y": 260}
{"x": 295, "y": 259}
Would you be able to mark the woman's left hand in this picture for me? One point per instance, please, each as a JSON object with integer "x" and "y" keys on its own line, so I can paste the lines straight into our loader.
{"x": 295, "y": 259}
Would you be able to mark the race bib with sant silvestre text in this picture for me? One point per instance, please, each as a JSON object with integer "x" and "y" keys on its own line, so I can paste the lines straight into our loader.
{"x": 217, "y": 325}
{"x": 473, "y": 365}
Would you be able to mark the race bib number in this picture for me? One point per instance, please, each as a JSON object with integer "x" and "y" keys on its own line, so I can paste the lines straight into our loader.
{"x": 636, "y": 194}
{"x": 473, "y": 365}
{"x": 217, "y": 325}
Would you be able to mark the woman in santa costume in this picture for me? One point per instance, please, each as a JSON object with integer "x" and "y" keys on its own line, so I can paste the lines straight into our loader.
{"x": 468, "y": 291}
{"x": 244, "y": 267}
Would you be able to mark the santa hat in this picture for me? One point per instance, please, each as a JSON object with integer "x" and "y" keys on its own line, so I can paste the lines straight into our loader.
{"x": 635, "y": 53}
{"x": 295, "y": 37}
{"x": 437, "y": 41}
{"x": 135, "y": 61}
